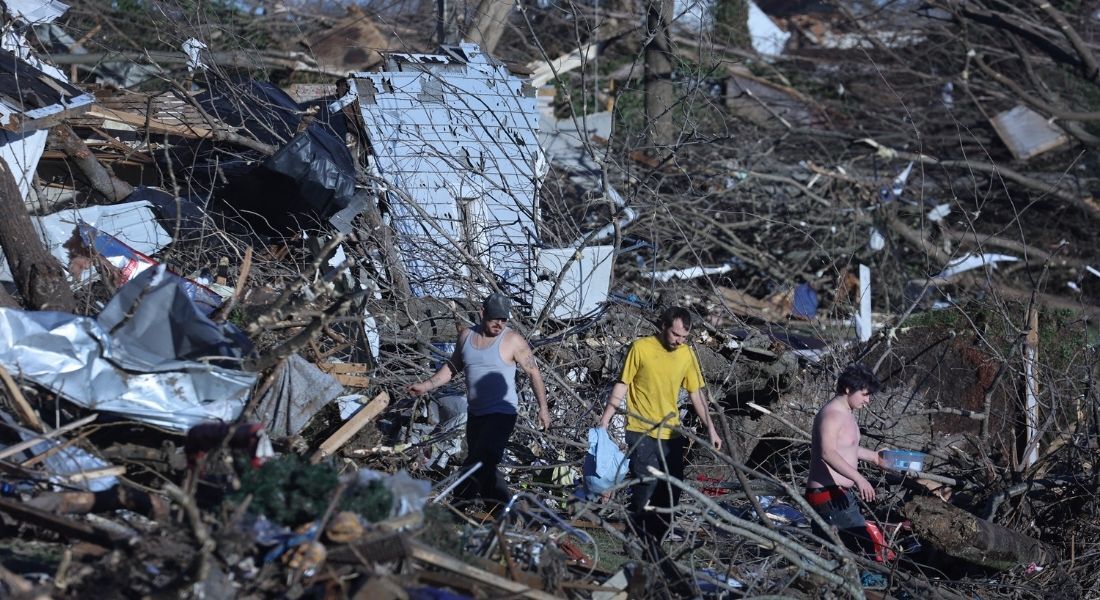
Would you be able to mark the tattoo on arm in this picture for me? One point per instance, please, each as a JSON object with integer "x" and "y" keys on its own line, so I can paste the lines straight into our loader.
{"x": 528, "y": 362}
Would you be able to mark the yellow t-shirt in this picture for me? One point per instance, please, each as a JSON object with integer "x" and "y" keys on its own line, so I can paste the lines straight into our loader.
{"x": 653, "y": 378}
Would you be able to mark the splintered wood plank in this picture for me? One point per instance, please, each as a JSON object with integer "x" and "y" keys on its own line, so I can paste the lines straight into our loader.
{"x": 352, "y": 427}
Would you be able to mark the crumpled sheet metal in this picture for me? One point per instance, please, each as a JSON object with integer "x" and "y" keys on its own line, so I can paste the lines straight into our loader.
{"x": 76, "y": 358}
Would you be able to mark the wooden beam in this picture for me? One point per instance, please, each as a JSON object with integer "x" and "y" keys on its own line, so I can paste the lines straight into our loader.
{"x": 148, "y": 123}
{"x": 425, "y": 554}
{"x": 352, "y": 427}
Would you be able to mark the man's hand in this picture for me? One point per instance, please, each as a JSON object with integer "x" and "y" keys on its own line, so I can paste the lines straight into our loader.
{"x": 419, "y": 389}
{"x": 866, "y": 490}
{"x": 715, "y": 440}
{"x": 544, "y": 418}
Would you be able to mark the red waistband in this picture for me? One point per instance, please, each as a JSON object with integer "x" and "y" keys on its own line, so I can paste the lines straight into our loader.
{"x": 819, "y": 496}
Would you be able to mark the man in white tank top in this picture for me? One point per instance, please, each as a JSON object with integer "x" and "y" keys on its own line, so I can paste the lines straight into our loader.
{"x": 488, "y": 355}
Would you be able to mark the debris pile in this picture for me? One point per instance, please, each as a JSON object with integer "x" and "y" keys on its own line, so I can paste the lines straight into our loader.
{"x": 225, "y": 294}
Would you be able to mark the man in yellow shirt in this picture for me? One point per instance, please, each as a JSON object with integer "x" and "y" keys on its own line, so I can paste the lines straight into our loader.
{"x": 655, "y": 370}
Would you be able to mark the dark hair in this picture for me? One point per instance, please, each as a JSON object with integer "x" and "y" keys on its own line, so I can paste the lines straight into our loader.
{"x": 673, "y": 314}
{"x": 857, "y": 377}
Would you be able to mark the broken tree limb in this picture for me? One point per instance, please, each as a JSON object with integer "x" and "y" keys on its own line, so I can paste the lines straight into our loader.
{"x": 101, "y": 180}
{"x": 38, "y": 439}
{"x": 352, "y": 427}
{"x": 293, "y": 61}
{"x": 767, "y": 538}
{"x": 1033, "y": 485}
{"x": 1030, "y": 253}
{"x": 1031, "y": 389}
{"x": 1087, "y": 204}
{"x": 62, "y": 525}
{"x": 962, "y": 535}
{"x": 221, "y": 132}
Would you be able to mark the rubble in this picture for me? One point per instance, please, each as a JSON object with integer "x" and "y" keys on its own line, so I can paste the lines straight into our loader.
{"x": 222, "y": 279}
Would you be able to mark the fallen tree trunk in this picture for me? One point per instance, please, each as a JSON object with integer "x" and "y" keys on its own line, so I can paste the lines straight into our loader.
{"x": 962, "y": 535}
{"x": 38, "y": 275}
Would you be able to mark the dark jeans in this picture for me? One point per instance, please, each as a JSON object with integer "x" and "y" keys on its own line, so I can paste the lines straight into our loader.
{"x": 486, "y": 438}
{"x": 839, "y": 507}
{"x": 667, "y": 456}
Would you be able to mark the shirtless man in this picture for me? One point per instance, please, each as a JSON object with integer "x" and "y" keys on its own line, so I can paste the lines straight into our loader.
{"x": 834, "y": 464}
{"x": 488, "y": 355}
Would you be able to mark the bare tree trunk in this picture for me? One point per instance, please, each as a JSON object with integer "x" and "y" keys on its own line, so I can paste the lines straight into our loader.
{"x": 660, "y": 94}
{"x": 962, "y": 535}
{"x": 6, "y": 300}
{"x": 489, "y": 23}
{"x": 446, "y": 25}
{"x": 37, "y": 273}
{"x": 101, "y": 180}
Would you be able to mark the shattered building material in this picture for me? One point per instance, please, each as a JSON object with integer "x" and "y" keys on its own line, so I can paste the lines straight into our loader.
{"x": 1027, "y": 133}
{"x": 88, "y": 362}
{"x": 34, "y": 95}
{"x": 572, "y": 283}
{"x": 768, "y": 38}
{"x": 452, "y": 137}
{"x": 132, "y": 223}
{"x": 90, "y": 244}
{"x": 863, "y": 324}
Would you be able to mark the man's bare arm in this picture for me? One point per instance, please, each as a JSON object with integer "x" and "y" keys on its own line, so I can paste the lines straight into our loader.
{"x": 445, "y": 373}
{"x": 526, "y": 361}
{"x": 614, "y": 400}
{"x": 699, "y": 403}
{"x": 872, "y": 457}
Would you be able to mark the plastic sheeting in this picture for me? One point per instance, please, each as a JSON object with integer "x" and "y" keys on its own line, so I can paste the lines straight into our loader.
{"x": 311, "y": 175}
{"x": 85, "y": 362}
{"x": 300, "y": 390}
{"x": 155, "y": 314}
{"x": 605, "y": 465}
